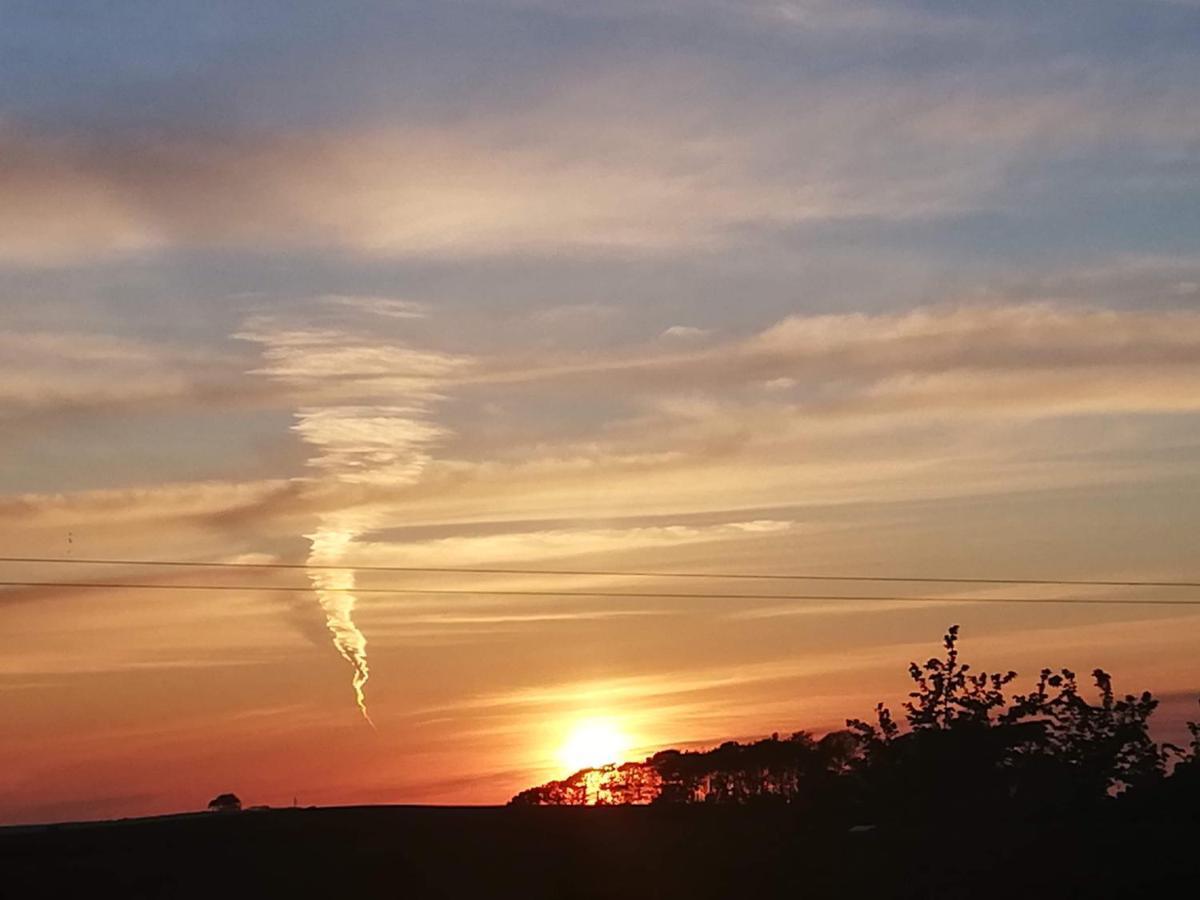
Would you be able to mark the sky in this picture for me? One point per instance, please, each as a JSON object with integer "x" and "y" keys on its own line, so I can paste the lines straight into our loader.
{"x": 882, "y": 288}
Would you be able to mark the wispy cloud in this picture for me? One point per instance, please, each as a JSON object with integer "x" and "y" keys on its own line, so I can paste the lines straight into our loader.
{"x": 128, "y": 506}
{"x": 47, "y": 374}
{"x": 369, "y": 442}
{"x": 621, "y": 691}
{"x": 780, "y": 417}
{"x": 682, "y": 164}
{"x": 516, "y": 546}
{"x": 833, "y": 359}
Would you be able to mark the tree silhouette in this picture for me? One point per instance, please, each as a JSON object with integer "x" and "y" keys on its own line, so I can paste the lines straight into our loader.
{"x": 225, "y": 803}
{"x": 1087, "y": 750}
{"x": 965, "y": 749}
{"x": 948, "y": 696}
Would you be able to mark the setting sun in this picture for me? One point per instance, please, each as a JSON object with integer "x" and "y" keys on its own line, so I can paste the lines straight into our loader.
{"x": 594, "y": 742}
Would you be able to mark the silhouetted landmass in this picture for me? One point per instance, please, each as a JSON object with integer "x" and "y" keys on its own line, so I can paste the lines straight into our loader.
{"x": 630, "y": 852}
{"x": 982, "y": 795}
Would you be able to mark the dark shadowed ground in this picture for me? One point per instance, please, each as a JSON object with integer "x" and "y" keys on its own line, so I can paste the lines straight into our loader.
{"x": 629, "y": 852}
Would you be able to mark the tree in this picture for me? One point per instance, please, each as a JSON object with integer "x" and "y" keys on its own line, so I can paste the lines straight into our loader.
{"x": 1191, "y": 755}
{"x": 1094, "y": 749}
{"x": 225, "y": 803}
{"x": 947, "y": 696}
{"x": 968, "y": 750}
{"x": 969, "y": 747}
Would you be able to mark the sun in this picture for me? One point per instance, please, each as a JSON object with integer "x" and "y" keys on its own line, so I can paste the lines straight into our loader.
{"x": 592, "y": 743}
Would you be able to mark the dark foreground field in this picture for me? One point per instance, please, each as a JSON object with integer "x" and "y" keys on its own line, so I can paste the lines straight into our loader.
{"x": 614, "y": 852}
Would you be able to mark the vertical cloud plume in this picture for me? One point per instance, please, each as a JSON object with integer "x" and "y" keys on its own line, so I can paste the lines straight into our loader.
{"x": 335, "y": 591}
{"x": 368, "y": 424}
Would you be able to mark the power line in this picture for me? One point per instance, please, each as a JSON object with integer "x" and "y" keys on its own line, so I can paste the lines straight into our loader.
{"x": 463, "y": 570}
{"x": 629, "y": 595}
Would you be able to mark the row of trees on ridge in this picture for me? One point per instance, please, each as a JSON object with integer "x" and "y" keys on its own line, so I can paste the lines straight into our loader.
{"x": 967, "y": 746}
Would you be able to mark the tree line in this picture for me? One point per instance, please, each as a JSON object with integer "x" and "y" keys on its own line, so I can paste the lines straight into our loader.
{"x": 968, "y": 744}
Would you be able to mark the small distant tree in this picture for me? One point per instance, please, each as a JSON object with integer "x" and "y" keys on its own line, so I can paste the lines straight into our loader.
{"x": 225, "y": 803}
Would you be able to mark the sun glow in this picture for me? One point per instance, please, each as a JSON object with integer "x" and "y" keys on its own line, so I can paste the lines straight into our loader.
{"x": 594, "y": 742}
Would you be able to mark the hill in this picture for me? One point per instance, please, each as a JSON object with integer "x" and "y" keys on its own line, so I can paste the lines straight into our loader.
{"x": 626, "y": 852}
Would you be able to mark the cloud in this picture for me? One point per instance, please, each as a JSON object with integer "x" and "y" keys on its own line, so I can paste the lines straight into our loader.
{"x": 625, "y": 692}
{"x": 30, "y": 670}
{"x": 368, "y": 398}
{"x": 858, "y": 403}
{"x": 576, "y": 315}
{"x": 52, "y": 373}
{"x": 387, "y": 307}
{"x": 981, "y": 357}
{"x": 894, "y": 406}
{"x": 135, "y": 505}
{"x": 780, "y": 384}
{"x": 940, "y": 357}
{"x": 819, "y": 17}
{"x": 371, "y": 441}
{"x": 350, "y": 362}
{"x": 381, "y": 192}
{"x": 513, "y": 547}
{"x": 656, "y": 155}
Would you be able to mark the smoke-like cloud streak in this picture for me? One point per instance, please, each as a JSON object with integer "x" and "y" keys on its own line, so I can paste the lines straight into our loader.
{"x": 361, "y": 440}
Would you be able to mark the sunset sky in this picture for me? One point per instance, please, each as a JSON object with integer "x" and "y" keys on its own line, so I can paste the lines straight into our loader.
{"x": 882, "y": 288}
